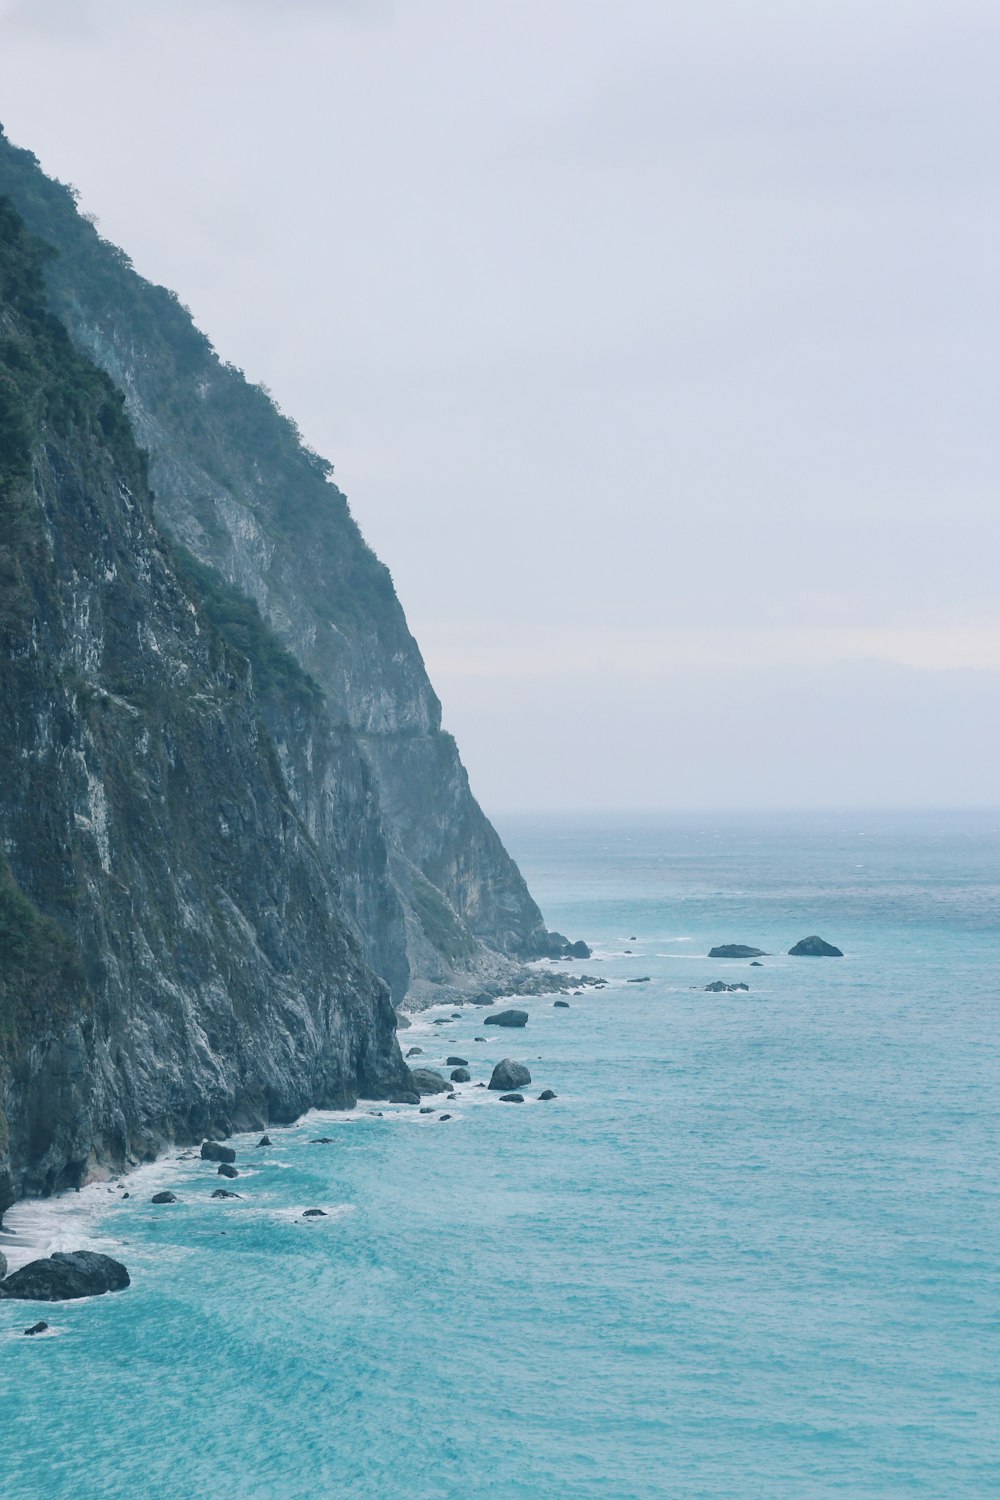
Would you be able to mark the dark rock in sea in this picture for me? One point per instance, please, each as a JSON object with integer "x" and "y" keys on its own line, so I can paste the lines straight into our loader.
{"x": 265, "y": 1140}
{"x": 322, "y": 1140}
{"x": 814, "y": 947}
{"x": 126, "y": 1195}
{"x": 736, "y": 950}
{"x": 215, "y": 1151}
{"x": 461, "y": 1075}
{"x": 165, "y": 1197}
{"x": 451, "y": 1096}
{"x": 480, "y": 1085}
{"x": 511, "y": 1098}
{"x": 509, "y": 1075}
{"x": 456, "y": 1015}
{"x": 429, "y": 1081}
{"x": 756, "y": 964}
{"x": 404, "y": 1096}
{"x": 315, "y": 1213}
{"x": 456, "y": 1062}
{"x": 227, "y": 1170}
{"x": 415, "y": 1052}
{"x": 36, "y": 1328}
{"x": 644, "y": 979}
{"x": 633, "y": 938}
{"x": 403, "y": 1023}
{"x": 508, "y": 1018}
{"x": 563, "y": 1004}
{"x": 443, "y": 1020}
{"x": 224, "y": 1193}
{"x": 577, "y": 950}
{"x": 428, "y": 1109}
{"x": 483, "y": 1000}
{"x": 64, "y": 1276}
{"x": 444, "y": 1117}
{"x": 547, "y": 1094}
{"x": 480, "y": 1038}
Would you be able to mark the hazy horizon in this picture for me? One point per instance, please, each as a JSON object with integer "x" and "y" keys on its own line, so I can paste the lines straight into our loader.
{"x": 655, "y": 352}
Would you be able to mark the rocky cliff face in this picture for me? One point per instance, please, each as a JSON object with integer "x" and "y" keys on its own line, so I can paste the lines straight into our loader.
{"x": 178, "y": 955}
{"x": 234, "y": 484}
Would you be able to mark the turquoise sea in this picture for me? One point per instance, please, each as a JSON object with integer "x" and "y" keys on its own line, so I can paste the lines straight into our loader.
{"x": 752, "y": 1248}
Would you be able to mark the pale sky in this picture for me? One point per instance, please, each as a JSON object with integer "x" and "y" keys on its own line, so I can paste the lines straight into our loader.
{"x": 655, "y": 345}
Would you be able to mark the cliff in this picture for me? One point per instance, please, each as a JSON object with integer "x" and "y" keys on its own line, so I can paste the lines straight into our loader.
{"x": 173, "y": 956}
{"x": 234, "y": 485}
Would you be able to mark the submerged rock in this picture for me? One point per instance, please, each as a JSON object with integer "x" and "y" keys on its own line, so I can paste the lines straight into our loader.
{"x": 814, "y": 947}
{"x": 427, "y": 1109}
{"x": 444, "y": 1117}
{"x": 227, "y": 1170}
{"x": 511, "y": 1098}
{"x": 216, "y": 1151}
{"x": 564, "y": 1004}
{"x": 719, "y": 987}
{"x": 415, "y": 1052}
{"x": 429, "y": 1081}
{"x": 322, "y": 1140}
{"x": 736, "y": 950}
{"x": 165, "y": 1197}
{"x": 65, "y": 1276}
{"x": 548, "y": 1094}
{"x": 36, "y": 1328}
{"x": 509, "y": 1074}
{"x": 456, "y": 1062}
{"x": 224, "y": 1193}
{"x": 643, "y": 979}
{"x": 461, "y": 1075}
{"x": 756, "y": 964}
{"x": 508, "y": 1018}
{"x": 315, "y": 1213}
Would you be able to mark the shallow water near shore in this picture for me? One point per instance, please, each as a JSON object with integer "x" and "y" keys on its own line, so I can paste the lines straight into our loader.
{"x": 752, "y": 1248}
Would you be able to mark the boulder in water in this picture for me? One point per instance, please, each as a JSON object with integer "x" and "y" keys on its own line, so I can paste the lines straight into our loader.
{"x": 224, "y": 1193}
{"x": 65, "y": 1276}
{"x": 216, "y": 1151}
{"x": 508, "y": 1018}
{"x": 415, "y": 1052}
{"x": 226, "y": 1169}
{"x": 814, "y": 947}
{"x": 564, "y": 1004}
{"x": 315, "y": 1213}
{"x": 405, "y": 1096}
{"x": 736, "y": 950}
{"x": 40, "y": 1327}
{"x": 547, "y": 1094}
{"x": 511, "y": 1098}
{"x": 509, "y": 1075}
{"x": 265, "y": 1140}
{"x": 165, "y": 1197}
{"x": 429, "y": 1081}
{"x": 456, "y": 1062}
{"x": 461, "y": 1075}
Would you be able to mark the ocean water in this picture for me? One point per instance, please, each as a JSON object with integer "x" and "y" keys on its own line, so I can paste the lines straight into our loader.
{"x": 752, "y": 1248}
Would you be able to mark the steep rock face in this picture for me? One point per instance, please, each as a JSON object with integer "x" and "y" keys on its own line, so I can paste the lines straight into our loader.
{"x": 235, "y": 485}
{"x": 174, "y": 955}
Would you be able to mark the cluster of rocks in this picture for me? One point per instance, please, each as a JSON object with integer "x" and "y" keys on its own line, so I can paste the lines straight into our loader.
{"x": 719, "y": 987}
{"x": 808, "y": 947}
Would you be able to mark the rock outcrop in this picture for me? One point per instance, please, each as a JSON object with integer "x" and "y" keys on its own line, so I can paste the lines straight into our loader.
{"x": 64, "y": 1277}
{"x": 509, "y": 1074}
{"x": 736, "y": 950}
{"x": 814, "y": 947}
